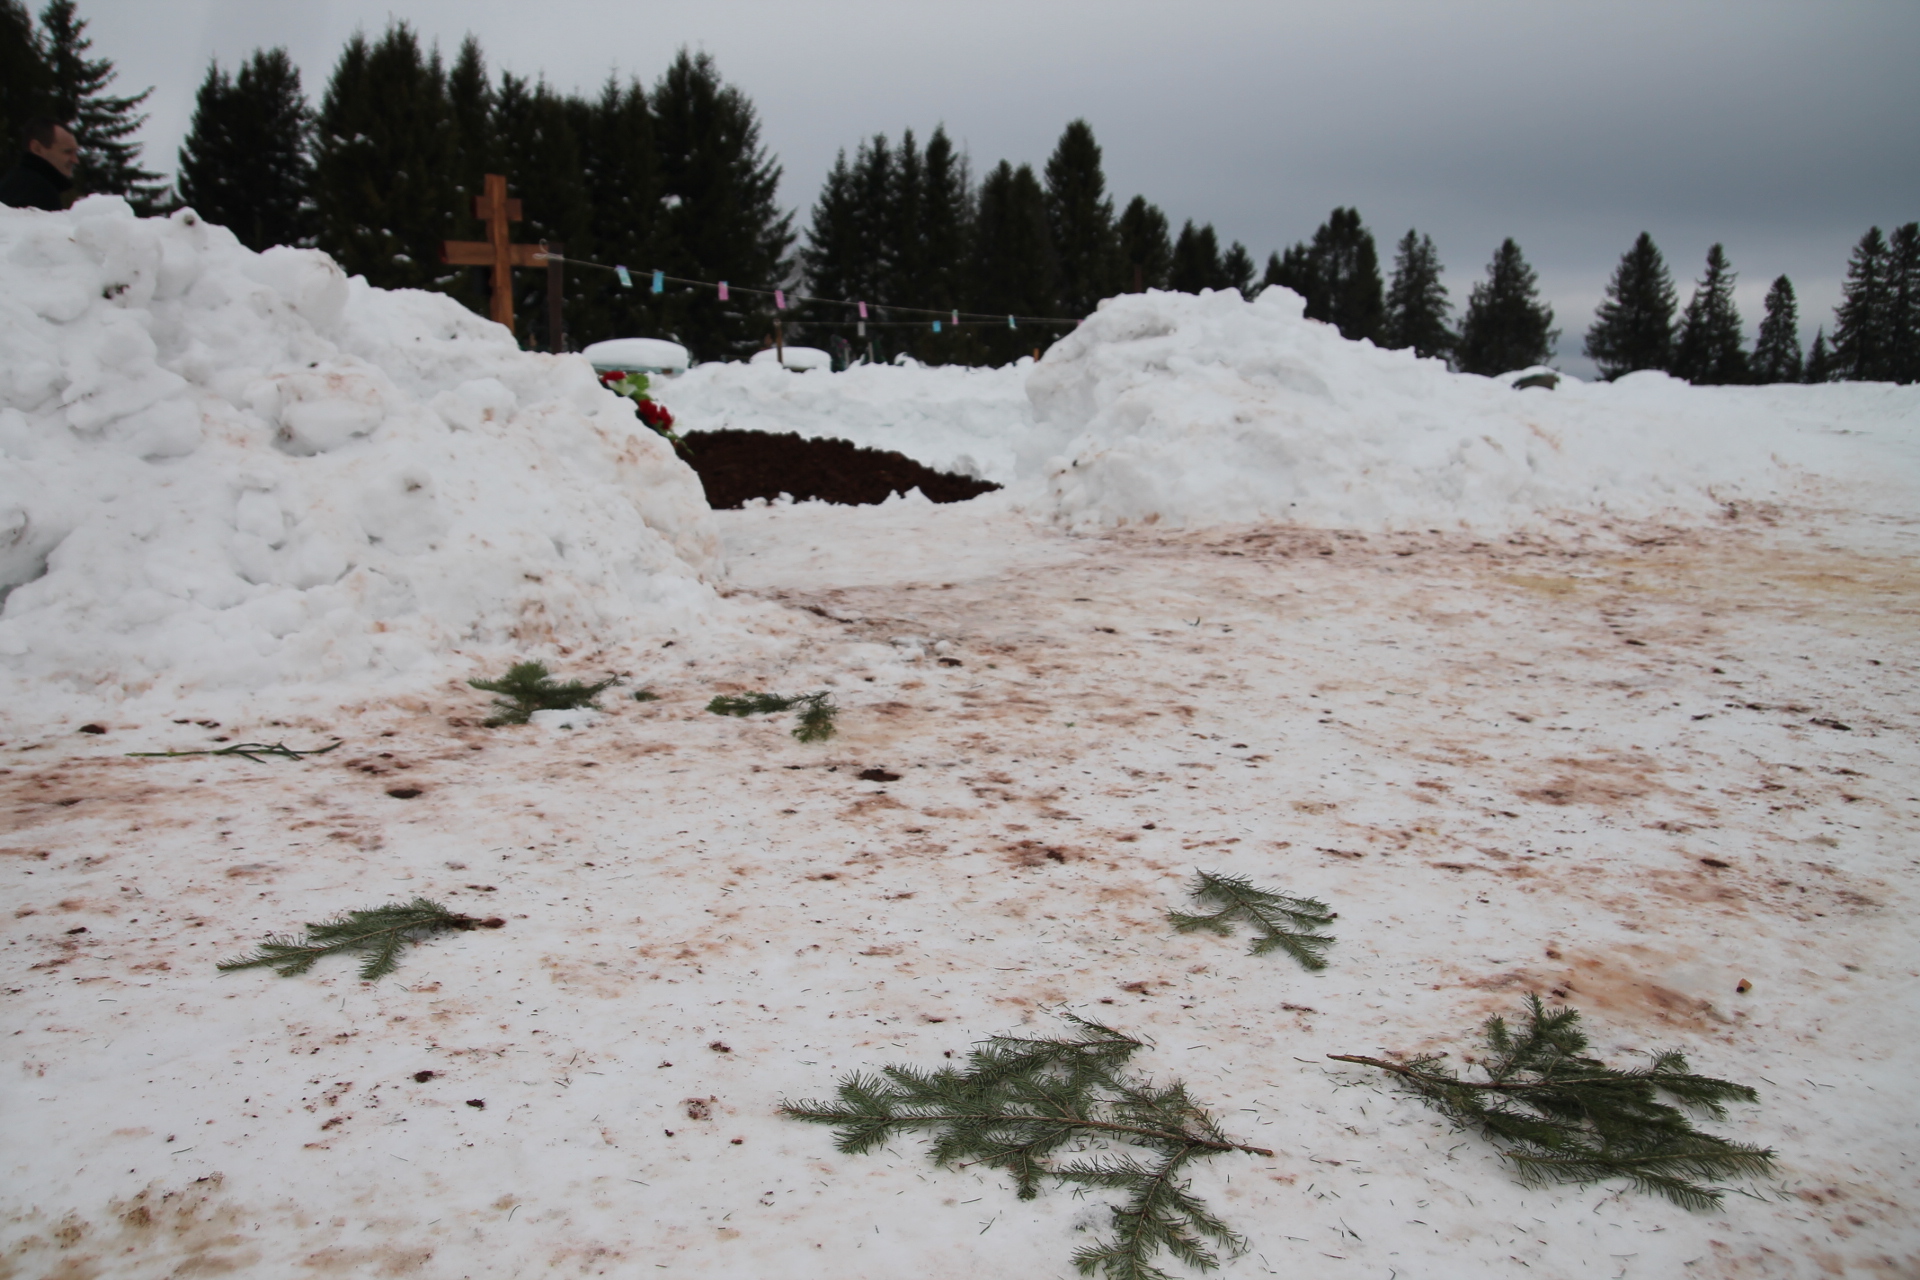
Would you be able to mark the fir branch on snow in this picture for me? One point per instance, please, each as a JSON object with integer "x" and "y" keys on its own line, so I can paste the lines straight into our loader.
{"x": 376, "y": 934}
{"x": 817, "y": 710}
{"x": 1559, "y": 1116}
{"x": 251, "y": 750}
{"x": 1064, "y": 1108}
{"x": 528, "y": 687}
{"x": 1281, "y": 922}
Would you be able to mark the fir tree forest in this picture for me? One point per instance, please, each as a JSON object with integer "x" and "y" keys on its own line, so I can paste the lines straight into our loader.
{"x": 674, "y": 178}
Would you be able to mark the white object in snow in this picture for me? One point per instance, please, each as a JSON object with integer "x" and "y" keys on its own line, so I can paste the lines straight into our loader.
{"x": 638, "y": 355}
{"x": 795, "y": 358}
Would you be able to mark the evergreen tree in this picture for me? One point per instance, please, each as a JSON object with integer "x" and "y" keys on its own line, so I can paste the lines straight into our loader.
{"x": 905, "y": 255}
{"x": 1012, "y": 267}
{"x": 1633, "y": 328}
{"x": 26, "y": 81}
{"x": 1776, "y": 355}
{"x": 1146, "y": 251}
{"x": 840, "y": 256}
{"x": 538, "y": 149}
{"x": 1236, "y": 268}
{"x": 103, "y": 124}
{"x": 615, "y": 133}
{"x": 1080, "y": 220}
{"x": 1819, "y": 359}
{"x": 1196, "y": 260}
{"x": 1507, "y": 326}
{"x": 721, "y": 211}
{"x": 1707, "y": 351}
{"x": 1417, "y": 304}
{"x": 929, "y": 242}
{"x": 1339, "y": 276}
{"x": 246, "y": 163}
{"x": 384, "y": 188}
{"x": 1862, "y": 341}
{"x": 470, "y": 111}
{"x": 1903, "y": 326}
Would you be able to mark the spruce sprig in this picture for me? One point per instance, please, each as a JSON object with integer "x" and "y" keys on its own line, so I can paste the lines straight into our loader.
{"x": 1281, "y": 922}
{"x": 1064, "y": 1108}
{"x": 817, "y": 710}
{"x": 528, "y": 687}
{"x": 1560, "y": 1116}
{"x": 377, "y": 934}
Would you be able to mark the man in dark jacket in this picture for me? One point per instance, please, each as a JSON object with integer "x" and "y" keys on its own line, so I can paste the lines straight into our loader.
{"x": 45, "y": 172}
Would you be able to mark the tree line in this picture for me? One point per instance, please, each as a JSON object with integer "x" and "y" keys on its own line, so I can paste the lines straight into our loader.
{"x": 674, "y": 177}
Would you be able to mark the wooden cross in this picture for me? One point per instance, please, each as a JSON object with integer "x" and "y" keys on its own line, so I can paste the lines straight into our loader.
{"x": 496, "y": 251}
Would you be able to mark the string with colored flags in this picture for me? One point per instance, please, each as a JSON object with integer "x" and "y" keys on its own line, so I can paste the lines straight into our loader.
{"x": 942, "y": 318}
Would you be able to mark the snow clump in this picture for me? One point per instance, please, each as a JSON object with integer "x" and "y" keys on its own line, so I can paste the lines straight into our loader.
{"x": 223, "y": 470}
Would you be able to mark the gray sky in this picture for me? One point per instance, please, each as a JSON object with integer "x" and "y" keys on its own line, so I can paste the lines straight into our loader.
{"x": 1782, "y": 130}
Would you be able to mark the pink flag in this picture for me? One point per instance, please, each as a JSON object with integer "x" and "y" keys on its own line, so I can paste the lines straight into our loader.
{"x": 863, "y": 310}
{"x": 779, "y": 300}
{"x": 723, "y": 291}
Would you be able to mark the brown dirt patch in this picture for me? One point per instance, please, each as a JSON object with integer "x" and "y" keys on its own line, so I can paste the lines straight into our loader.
{"x": 738, "y": 466}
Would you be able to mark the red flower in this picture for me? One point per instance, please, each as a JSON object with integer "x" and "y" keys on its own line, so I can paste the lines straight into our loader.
{"x": 655, "y": 415}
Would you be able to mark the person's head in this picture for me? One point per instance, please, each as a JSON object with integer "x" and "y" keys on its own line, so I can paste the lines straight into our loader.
{"x": 53, "y": 142}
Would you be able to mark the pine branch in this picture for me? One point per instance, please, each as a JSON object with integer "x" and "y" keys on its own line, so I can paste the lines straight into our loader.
{"x": 1558, "y": 1116}
{"x": 528, "y": 687}
{"x": 377, "y": 934}
{"x": 1282, "y": 922}
{"x": 1023, "y": 1105}
{"x": 817, "y": 710}
{"x": 251, "y": 750}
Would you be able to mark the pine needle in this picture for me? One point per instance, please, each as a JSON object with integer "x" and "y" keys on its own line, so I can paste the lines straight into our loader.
{"x": 1280, "y": 922}
{"x": 251, "y": 750}
{"x": 817, "y": 710}
{"x": 1561, "y": 1117}
{"x": 528, "y": 687}
{"x": 1064, "y": 1109}
{"x": 376, "y": 934}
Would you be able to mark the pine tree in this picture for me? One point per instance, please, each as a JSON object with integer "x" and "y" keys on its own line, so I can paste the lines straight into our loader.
{"x": 1903, "y": 324}
{"x": 1294, "y": 270}
{"x": 1347, "y": 272}
{"x": 1012, "y": 266}
{"x": 246, "y": 163}
{"x": 841, "y": 255}
{"x": 1417, "y": 304}
{"x": 1776, "y": 354}
{"x": 1196, "y": 260}
{"x": 905, "y": 255}
{"x": 615, "y": 133}
{"x": 1080, "y": 220}
{"x": 1507, "y": 326}
{"x": 722, "y": 217}
{"x": 944, "y": 218}
{"x": 1633, "y": 328}
{"x": 1707, "y": 351}
{"x": 470, "y": 112}
{"x": 1236, "y": 268}
{"x": 103, "y": 124}
{"x": 537, "y": 147}
{"x": 1146, "y": 251}
{"x": 384, "y": 189}
{"x": 1819, "y": 359}
{"x": 1862, "y": 341}
{"x": 26, "y": 81}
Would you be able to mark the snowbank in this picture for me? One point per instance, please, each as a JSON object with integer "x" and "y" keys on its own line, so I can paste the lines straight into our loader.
{"x": 967, "y": 421}
{"x": 229, "y": 470}
{"x": 1172, "y": 408}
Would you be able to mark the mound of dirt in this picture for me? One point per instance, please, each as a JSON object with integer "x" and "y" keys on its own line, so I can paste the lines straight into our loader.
{"x": 736, "y": 466}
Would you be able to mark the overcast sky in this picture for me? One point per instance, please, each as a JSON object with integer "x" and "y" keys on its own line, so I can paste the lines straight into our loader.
{"x": 1782, "y": 130}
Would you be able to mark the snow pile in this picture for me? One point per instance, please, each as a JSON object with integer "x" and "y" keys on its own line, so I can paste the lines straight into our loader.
{"x": 229, "y": 470}
{"x": 966, "y": 421}
{"x": 1173, "y": 408}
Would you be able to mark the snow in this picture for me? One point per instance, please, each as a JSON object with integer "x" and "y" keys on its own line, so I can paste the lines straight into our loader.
{"x": 797, "y": 358}
{"x": 237, "y": 471}
{"x": 1632, "y": 719}
{"x": 638, "y": 355}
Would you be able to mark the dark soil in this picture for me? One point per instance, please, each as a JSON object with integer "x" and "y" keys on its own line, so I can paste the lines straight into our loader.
{"x": 736, "y": 466}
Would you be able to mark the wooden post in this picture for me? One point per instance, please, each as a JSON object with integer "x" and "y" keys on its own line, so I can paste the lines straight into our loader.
{"x": 497, "y": 250}
{"x": 779, "y": 343}
{"x": 556, "y": 294}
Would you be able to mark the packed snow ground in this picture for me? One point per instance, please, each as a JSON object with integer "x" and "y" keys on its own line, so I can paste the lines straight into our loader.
{"x": 1631, "y": 718}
